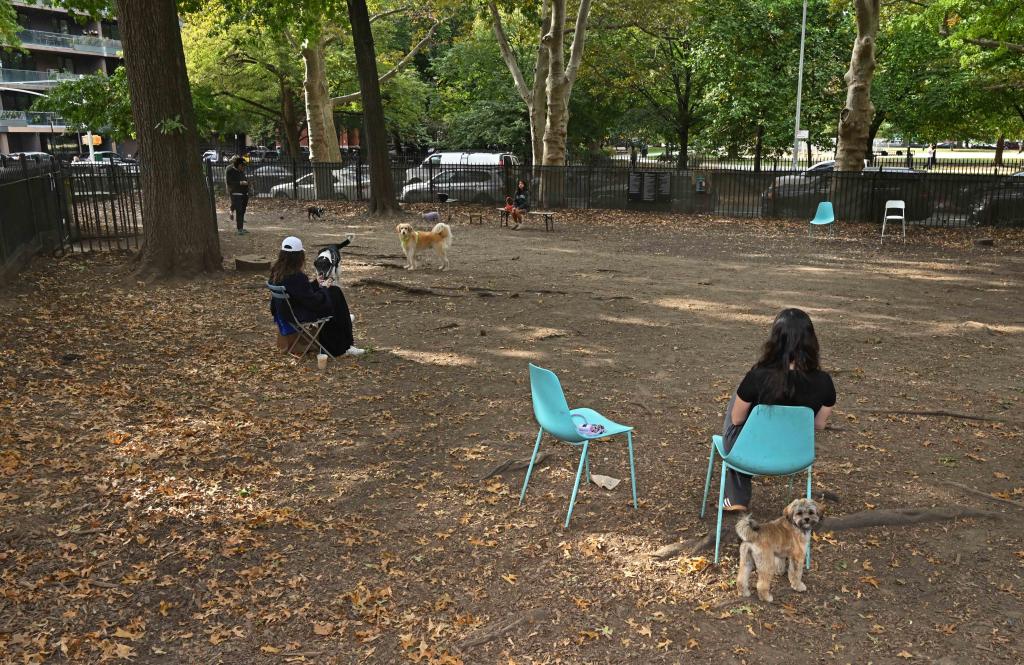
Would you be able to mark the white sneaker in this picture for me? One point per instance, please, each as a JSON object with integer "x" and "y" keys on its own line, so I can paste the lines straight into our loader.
{"x": 355, "y": 351}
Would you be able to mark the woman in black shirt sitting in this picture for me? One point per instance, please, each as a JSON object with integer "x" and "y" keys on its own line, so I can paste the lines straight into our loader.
{"x": 787, "y": 374}
{"x": 311, "y": 301}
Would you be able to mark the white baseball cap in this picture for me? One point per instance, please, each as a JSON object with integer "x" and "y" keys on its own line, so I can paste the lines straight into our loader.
{"x": 291, "y": 244}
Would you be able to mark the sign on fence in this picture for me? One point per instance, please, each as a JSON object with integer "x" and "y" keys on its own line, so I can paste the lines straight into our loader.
{"x": 650, "y": 186}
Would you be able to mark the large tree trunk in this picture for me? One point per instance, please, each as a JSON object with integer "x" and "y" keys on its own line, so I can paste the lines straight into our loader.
{"x": 289, "y": 118}
{"x": 855, "y": 120}
{"x": 1000, "y": 146}
{"x": 179, "y": 227}
{"x": 382, "y": 188}
{"x": 560, "y": 81}
{"x": 321, "y": 132}
{"x": 876, "y": 122}
{"x": 534, "y": 97}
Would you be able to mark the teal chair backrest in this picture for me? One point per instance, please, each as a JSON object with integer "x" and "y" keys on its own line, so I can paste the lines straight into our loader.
{"x": 825, "y": 212}
{"x": 549, "y": 405}
{"x": 775, "y": 441}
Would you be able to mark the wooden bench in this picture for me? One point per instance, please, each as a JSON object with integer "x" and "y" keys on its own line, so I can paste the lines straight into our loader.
{"x": 478, "y": 216}
{"x": 549, "y": 218}
{"x": 505, "y": 215}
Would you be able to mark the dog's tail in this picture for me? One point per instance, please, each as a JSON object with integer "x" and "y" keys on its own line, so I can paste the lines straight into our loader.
{"x": 747, "y": 528}
{"x": 445, "y": 232}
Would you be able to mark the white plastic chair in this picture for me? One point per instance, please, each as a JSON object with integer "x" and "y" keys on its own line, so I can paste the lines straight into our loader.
{"x": 899, "y": 213}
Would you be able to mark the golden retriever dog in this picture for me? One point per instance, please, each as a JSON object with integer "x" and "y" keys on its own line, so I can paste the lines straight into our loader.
{"x": 776, "y": 546}
{"x": 439, "y": 238}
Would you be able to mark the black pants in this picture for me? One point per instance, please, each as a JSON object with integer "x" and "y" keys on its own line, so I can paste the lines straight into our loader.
{"x": 336, "y": 336}
{"x": 737, "y": 485}
{"x": 239, "y": 202}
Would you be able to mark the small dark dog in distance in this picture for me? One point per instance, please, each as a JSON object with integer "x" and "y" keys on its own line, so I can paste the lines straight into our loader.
{"x": 314, "y": 212}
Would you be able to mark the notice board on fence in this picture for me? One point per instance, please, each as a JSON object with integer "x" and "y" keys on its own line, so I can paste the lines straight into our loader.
{"x": 650, "y": 186}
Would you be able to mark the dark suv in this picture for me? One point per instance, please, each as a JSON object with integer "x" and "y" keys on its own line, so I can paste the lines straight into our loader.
{"x": 799, "y": 196}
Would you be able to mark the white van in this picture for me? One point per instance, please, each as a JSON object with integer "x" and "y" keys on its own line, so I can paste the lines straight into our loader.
{"x": 438, "y": 161}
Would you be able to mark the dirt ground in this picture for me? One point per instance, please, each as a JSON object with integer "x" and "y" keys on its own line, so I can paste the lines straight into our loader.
{"x": 174, "y": 490}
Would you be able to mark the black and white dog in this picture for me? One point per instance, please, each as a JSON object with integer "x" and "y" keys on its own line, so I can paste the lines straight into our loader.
{"x": 314, "y": 212}
{"x": 328, "y": 262}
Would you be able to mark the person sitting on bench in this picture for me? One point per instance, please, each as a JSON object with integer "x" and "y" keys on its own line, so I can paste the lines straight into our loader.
{"x": 521, "y": 201}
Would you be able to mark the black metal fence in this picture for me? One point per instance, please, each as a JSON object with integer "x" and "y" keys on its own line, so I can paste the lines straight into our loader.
{"x": 933, "y": 197}
{"x": 50, "y": 207}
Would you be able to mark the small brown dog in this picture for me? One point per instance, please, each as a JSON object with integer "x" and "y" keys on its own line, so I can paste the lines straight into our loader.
{"x": 439, "y": 238}
{"x": 772, "y": 546}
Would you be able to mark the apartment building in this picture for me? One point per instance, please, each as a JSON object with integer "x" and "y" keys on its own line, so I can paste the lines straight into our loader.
{"x": 57, "y": 46}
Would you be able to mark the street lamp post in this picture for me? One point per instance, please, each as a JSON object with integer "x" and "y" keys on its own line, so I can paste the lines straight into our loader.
{"x": 799, "y": 88}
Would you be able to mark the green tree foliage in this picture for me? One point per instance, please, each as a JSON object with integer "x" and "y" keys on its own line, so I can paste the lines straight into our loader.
{"x": 96, "y": 103}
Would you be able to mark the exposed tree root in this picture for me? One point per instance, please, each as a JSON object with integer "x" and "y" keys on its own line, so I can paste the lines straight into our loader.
{"x": 515, "y": 465}
{"x": 535, "y": 615}
{"x": 939, "y": 414}
{"x": 983, "y": 495}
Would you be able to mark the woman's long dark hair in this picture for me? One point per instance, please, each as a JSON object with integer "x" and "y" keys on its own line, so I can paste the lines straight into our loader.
{"x": 288, "y": 263}
{"x": 520, "y": 186}
{"x": 792, "y": 342}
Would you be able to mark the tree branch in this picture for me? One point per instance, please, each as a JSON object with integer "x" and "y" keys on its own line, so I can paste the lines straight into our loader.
{"x": 993, "y": 44}
{"x": 389, "y": 12}
{"x": 578, "y": 39}
{"x": 265, "y": 110}
{"x": 387, "y": 76}
{"x": 508, "y": 56}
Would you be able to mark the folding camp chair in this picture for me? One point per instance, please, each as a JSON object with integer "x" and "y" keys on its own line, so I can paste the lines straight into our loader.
{"x": 309, "y": 331}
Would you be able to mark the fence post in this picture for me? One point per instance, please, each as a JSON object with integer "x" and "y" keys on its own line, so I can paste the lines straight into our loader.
{"x": 295, "y": 178}
{"x": 210, "y": 187}
{"x": 359, "y": 177}
{"x": 31, "y": 199}
{"x": 113, "y": 201}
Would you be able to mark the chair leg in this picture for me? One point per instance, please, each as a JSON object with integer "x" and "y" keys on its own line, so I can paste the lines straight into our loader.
{"x": 883, "y": 232}
{"x": 576, "y": 487}
{"x": 789, "y": 485}
{"x": 588, "y": 470}
{"x": 808, "y": 563}
{"x": 632, "y": 468}
{"x": 707, "y": 480}
{"x": 529, "y": 469}
{"x": 721, "y": 500}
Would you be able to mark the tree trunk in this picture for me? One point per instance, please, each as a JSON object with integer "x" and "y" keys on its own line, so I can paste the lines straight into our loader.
{"x": 560, "y": 82}
{"x": 758, "y": 147}
{"x": 876, "y": 122}
{"x": 684, "y": 117}
{"x": 382, "y": 188}
{"x": 179, "y": 228}
{"x": 1000, "y": 146}
{"x": 321, "y": 132}
{"x": 289, "y": 118}
{"x": 810, "y": 154}
{"x": 855, "y": 120}
{"x": 534, "y": 97}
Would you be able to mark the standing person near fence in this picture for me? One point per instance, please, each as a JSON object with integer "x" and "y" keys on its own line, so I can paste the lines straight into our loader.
{"x": 238, "y": 190}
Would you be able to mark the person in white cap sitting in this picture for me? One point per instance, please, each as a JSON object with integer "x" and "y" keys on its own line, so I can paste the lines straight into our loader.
{"x": 310, "y": 301}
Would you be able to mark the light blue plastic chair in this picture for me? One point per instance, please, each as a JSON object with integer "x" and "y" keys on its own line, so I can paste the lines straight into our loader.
{"x": 775, "y": 441}
{"x": 556, "y": 418}
{"x": 825, "y": 216}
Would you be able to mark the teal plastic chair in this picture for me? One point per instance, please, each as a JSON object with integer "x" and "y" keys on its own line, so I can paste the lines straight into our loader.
{"x": 556, "y": 418}
{"x": 775, "y": 441}
{"x": 825, "y": 216}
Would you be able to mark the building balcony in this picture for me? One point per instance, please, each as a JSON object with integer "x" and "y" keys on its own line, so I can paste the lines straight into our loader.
{"x": 84, "y": 44}
{"x": 36, "y": 120}
{"x": 50, "y": 5}
{"x": 30, "y": 78}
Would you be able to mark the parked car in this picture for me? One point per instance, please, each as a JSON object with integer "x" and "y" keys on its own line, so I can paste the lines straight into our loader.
{"x": 262, "y": 155}
{"x": 477, "y": 185}
{"x": 799, "y": 195}
{"x": 211, "y": 156}
{"x": 345, "y": 188}
{"x": 31, "y": 156}
{"x": 441, "y": 161}
{"x": 264, "y": 177}
{"x": 1001, "y": 204}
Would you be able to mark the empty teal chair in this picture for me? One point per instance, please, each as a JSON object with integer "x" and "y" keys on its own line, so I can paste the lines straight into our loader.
{"x": 775, "y": 441}
{"x": 825, "y": 216}
{"x": 556, "y": 418}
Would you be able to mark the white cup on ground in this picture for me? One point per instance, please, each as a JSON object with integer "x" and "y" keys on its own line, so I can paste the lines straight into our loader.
{"x": 321, "y": 360}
